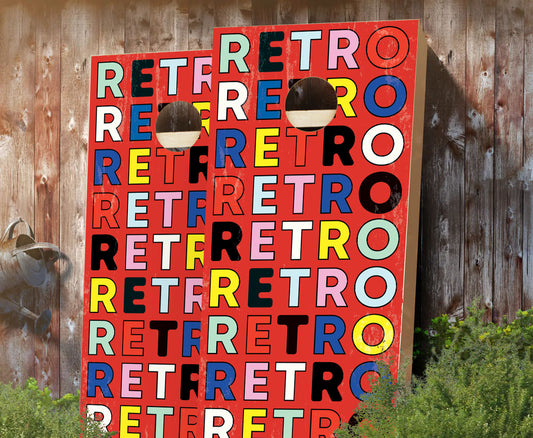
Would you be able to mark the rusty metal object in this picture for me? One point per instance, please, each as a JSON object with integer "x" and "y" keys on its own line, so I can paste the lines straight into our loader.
{"x": 24, "y": 262}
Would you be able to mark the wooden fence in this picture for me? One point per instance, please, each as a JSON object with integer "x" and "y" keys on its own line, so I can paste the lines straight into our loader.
{"x": 477, "y": 192}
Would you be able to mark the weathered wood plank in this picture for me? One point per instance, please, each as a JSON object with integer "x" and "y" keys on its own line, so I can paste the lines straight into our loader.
{"x": 245, "y": 8}
{"x": 233, "y": 13}
{"x": 264, "y": 12}
{"x": 17, "y": 47}
{"x": 112, "y": 28}
{"x": 441, "y": 267}
{"x": 47, "y": 211}
{"x": 137, "y": 27}
{"x": 363, "y": 10}
{"x": 527, "y": 173}
{"x": 401, "y": 9}
{"x": 331, "y": 11}
{"x": 292, "y": 12}
{"x": 169, "y": 21}
{"x": 79, "y": 27}
{"x": 201, "y": 23}
{"x": 479, "y": 153}
{"x": 387, "y": 10}
{"x": 508, "y": 158}
{"x": 408, "y": 9}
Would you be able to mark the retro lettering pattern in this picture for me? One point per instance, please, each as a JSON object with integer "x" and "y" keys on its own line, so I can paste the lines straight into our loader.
{"x": 246, "y": 287}
{"x": 305, "y": 269}
{"x": 144, "y": 247}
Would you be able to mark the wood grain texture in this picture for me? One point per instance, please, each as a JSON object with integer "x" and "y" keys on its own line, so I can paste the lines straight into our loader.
{"x": 406, "y": 9}
{"x": 112, "y": 28}
{"x": 230, "y": 13}
{"x": 508, "y": 157}
{"x": 137, "y": 27}
{"x": 169, "y": 21}
{"x": 47, "y": 197}
{"x": 291, "y": 12}
{"x": 442, "y": 207}
{"x": 79, "y": 26}
{"x": 201, "y": 23}
{"x": 16, "y": 178}
{"x": 363, "y": 10}
{"x": 527, "y": 171}
{"x": 331, "y": 11}
{"x": 387, "y": 10}
{"x": 479, "y": 153}
{"x": 264, "y": 12}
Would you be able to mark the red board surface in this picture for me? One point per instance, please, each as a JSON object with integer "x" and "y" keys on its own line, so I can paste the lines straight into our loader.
{"x": 246, "y": 287}
{"x": 305, "y": 277}
{"x": 145, "y": 237}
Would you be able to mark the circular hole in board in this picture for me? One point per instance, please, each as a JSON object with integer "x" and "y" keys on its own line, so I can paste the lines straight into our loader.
{"x": 311, "y": 104}
{"x": 178, "y": 126}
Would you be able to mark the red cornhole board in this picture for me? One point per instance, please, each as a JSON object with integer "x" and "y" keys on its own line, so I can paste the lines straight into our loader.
{"x": 144, "y": 246}
{"x": 310, "y": 265}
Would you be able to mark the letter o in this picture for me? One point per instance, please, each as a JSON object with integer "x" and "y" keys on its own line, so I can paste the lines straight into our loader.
{"x": 397, "y": 144}
{"x": 390, "y": 204}
{"x": 383, "y": 61}
{"x": 388, "y": 250}
{"x": 357, "y": 376}
{"x": 390, "y": 289}
{"x": 399, "y": 100}
{"x": 362, "y": 324}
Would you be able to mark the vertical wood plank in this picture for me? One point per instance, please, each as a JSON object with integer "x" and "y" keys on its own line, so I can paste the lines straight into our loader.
{"x": 233, "y": 13}
{"x": 137, "y": 27}
{"x": 409, "y": 9}
{"x": 508, "y": 158}
{"x": 479, "y": 153}
{"x": 441, "y": 267}
{"x": 264, "y": 12}
{"x": 292, "y": 12}
{"x": 362, "y": 10}
{"x": 79, "y": 27}
{"x": 245, "y": 8}
{"x": 332, "y": 11}
{"x": 112, "y": 28}
{"x": 47, "y": 211}
{"x": 17, "y": 47}
{"x": 527, "y": 174}
{"x": 201, "y": 23}
{"x": 169, "y": 21}
{"x": 401, "y": 9}
{"x": 387, "y": 10}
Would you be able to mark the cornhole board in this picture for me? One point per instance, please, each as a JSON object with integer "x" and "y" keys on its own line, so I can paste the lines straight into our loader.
{"x": 144, "y": 244}
{"x": 310, "y": 265}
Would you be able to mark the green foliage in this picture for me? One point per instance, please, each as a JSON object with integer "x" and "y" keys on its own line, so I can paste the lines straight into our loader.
{"x": 479, "y": 384}
{"x": 28, "y": 412}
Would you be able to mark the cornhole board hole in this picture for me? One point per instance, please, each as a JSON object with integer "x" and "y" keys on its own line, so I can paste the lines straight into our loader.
{"x": 313, "y": 202}
{"x": 148, "y": 136}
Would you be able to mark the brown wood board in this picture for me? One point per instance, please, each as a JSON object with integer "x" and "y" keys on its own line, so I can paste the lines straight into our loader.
{"x": 16, "y": 177}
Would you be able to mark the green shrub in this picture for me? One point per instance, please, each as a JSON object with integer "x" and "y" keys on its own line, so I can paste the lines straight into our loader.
{"x": 480, "y": 384}
{"x": 28, "y": 412}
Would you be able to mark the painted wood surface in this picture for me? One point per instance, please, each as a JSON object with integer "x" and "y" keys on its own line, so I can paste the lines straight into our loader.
{"x": 47, "y": 202}
{"x": 509, "y": 211}
{"x": 17, "y": 141}
{"x": 479, "y": 152}
{"x": 476, "y": 236}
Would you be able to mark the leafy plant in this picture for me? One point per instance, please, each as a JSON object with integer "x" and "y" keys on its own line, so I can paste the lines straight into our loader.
{"x": 479, "y": 384}
{"x": 28, "y": 412}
